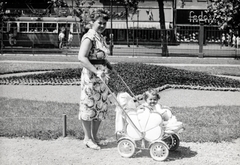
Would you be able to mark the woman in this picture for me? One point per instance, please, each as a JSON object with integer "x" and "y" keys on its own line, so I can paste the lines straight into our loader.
{"x": 94, "y": 94}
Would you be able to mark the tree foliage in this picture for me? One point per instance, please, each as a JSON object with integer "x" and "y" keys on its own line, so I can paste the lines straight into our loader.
{"x": 226, "y": 13}
{"x": 132, "y": 5}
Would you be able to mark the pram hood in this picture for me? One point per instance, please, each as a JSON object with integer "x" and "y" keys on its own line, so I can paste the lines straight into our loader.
{"x": 145, "y": 122}
{"x": 127, "y": 103}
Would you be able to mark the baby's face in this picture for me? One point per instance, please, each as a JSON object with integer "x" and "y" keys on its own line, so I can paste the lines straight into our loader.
{"x": 152, "y": 100}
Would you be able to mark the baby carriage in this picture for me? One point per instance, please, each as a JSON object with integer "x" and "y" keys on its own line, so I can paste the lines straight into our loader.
{"x": 144, "y": 131}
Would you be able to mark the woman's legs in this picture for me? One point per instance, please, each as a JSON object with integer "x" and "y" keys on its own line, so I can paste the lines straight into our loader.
{"x": 95, "y": 127}
{"x": 90, "y": 128}
{"x": 87, "y": 130}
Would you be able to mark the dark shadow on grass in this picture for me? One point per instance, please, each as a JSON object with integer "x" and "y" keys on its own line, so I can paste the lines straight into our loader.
{"x": 180, "y": 153}
{"x": 110, "y": 145}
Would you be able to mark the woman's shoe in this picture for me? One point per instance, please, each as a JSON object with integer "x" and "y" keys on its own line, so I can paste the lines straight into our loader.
{"x": 101, "y": 142}
{"x": 91, "y": 145}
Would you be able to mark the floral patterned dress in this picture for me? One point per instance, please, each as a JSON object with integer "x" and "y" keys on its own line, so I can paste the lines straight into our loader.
{"x": 94, "y": 93}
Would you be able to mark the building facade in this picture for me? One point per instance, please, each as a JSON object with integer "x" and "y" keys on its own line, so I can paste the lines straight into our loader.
{"x": 182, "y": 20}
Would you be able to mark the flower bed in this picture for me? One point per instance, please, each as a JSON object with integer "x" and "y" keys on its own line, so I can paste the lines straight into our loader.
{"x": 138, "y": 76}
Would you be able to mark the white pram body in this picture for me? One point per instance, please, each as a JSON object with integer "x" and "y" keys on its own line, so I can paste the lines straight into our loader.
{"x": 141, "y": 123}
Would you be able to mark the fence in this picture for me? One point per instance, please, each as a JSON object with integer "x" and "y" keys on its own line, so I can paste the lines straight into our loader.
{"x": 196, "y": 41}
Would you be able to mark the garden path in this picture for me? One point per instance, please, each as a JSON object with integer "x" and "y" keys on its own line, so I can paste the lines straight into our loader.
{"x": 169, "y": 97}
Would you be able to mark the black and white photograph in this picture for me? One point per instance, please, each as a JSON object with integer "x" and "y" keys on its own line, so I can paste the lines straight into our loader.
{"x": 116, "y": 82}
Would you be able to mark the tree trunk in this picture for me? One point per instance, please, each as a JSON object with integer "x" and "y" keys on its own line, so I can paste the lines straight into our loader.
{"x": 1, "y": 35}
{"x": 2, "y": 24}
{"x": 126, "y": 9}
{"x": 163, "y": 28}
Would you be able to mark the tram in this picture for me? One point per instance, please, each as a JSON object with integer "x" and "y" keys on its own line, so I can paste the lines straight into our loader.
{"x": 39, "y": 31}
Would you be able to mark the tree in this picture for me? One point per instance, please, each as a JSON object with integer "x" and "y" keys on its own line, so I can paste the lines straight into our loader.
{"x": 163, "y": 28}
{"x": 226, "y": 13}
{"x": 2, "y": 11}
{"x": 129, "y": 5}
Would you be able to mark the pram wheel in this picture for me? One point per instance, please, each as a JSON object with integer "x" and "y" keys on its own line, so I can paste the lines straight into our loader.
{"x": 126, "y": 148}
{"x": 159, "y": 151}
{"x": 173, "y": 142}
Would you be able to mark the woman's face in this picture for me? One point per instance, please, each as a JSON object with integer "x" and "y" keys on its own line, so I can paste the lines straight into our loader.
{"x": 99, "y": 25}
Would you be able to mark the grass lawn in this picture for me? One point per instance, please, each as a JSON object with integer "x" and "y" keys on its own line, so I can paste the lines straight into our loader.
{"x": 44, "y": 120}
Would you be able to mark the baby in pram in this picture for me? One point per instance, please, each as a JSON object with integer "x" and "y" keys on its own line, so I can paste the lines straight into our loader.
{"x": 143, "y": 110}
{"x": 151, "y": 104}
{"x": 147, "y": 125}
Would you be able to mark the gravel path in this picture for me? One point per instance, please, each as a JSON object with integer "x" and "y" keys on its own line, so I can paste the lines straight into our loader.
{"x": 68, "y": 151}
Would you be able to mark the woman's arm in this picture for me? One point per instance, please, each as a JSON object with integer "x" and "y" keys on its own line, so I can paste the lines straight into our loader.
{"x": 84, "y": 50}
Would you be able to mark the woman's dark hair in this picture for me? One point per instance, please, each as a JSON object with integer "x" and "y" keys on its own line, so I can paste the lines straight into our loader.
{"x": 99, "y": 13}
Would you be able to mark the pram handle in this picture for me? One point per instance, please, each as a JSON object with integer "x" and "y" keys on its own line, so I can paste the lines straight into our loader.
{"x": 129, "y": 119}
{"x": 107, "y": 63}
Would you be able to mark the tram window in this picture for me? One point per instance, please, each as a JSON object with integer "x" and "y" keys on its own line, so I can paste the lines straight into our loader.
{"x": 23, "y": 27}
{"x": 12, "y": 26}
{"x": 35, "y": 27}
{"x": 63, "y": 25}
{"x": 75, "y": 28}
{"x": 49, "y": 27}
{"x": 4, "y": 27}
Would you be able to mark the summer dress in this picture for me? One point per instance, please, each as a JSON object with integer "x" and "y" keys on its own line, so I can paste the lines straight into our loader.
{"x": 94, "y": 93}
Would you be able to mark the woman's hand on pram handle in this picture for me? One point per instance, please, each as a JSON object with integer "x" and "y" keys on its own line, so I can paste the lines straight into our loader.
{"x": 102, "y": 75}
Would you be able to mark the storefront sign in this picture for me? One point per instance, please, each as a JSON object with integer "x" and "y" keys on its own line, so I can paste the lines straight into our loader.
{"x": 194, "y": 17}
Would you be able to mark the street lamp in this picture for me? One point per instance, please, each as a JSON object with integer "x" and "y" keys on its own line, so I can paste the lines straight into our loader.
{"x": 137, "y": 26}
{"x": 111, "y": 33}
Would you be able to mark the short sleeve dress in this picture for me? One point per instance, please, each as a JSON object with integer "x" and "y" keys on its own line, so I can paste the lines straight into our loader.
{"x": 94, "y": 93}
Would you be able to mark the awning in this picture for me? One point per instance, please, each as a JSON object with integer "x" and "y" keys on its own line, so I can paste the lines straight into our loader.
{"x": 140, "y": 25}
{"x": 48, "y": 19}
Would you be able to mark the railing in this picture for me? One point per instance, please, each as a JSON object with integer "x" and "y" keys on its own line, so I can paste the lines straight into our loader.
{"x": 196, "y": 41}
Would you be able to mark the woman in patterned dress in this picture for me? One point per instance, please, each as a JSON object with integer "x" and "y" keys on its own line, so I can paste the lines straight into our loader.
{"x": 94, "y": 94}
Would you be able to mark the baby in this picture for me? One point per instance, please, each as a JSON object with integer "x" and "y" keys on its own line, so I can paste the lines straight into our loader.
{"x": 151, "y": 104}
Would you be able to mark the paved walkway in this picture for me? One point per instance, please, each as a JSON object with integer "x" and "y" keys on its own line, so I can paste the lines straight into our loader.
{"x": 170, "y": 97}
